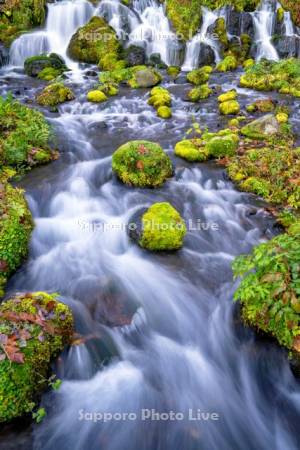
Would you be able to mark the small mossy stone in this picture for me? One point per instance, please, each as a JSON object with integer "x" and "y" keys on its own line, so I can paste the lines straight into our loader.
{"x": 142, "y": 164}
{"x": 199, "y": 93}
{"x": 229, "y": 107}
{"x": 96, "y": 96}
{"x": 192, "y": 150}
{"x": 230, "y": 95}
{"x": 282, "y": 117}
{"x": 199, "y": 76}
{"x": 229, "y": 63}
{"x": 173, "y": 71}
{"x": 145, "y": 78}
{"x": 164, "y": 112}
{"x": 222, "y": 146}
{"x": 163, "y": 228}
{"x": 54, "y": 94}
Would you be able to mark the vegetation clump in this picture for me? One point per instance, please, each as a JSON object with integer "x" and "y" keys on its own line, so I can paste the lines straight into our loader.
{"x": 142, "y": 164}
{"x": 34, "y": 328}
{"x": 229, "y": 63}
{"x": 199, "y": 93}
{"x": 96, "y": 96}
{"x": 135, "y": 77}
{"x": 45, "y": 67}
{"x": 192, "y": 150}
{"x": 17, "y": 16}
{"x": 24, "y": 135}
{"x": 15, "y": 228}
{"x": 160, "y": 99}
{"x": 54, "y": 94}
{"x": 282, "y": 76}
{"x": 264, "y": 106}
{"x": 228, "y": 104}
{"x": 97, "y": 43}
{"x": 162, "y": 228}
{"x": 199, "y": 76}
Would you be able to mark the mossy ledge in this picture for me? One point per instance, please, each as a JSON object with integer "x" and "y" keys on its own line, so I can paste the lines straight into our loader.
{"x": 34, "y": 328}
{"x": 142, "y": 164}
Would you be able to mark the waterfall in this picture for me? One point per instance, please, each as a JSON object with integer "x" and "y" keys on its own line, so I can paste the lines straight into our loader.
{"x": 288, "y": 24}
{"x": 264, "y": 19}
{"x": 202, "y": 37}
{"x": 63, "y": 19}
{"x": 146, "y": 25}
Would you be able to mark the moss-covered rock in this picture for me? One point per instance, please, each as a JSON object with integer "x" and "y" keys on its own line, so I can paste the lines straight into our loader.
{"x": 17, "y": 16}
{"x": 162, "y": 228}
{"x": 264, "y": 106}
{"x": 96, "y": 96}
{"x": 15, "y": 229}
{"x": 54, "y": 94}
{"x": 262, "y": 128}
{"x": 142, "y": 164}
{"x": 199, "y": 76}
{"x": 24, "y": 135}
{"x": 185, "y": 17}
{"x": 282, "y": 117}
{"x": 109, "y": 89}
{"x": 248, "y": 63}
{"x": 34, "y": 328}
{"x": 199, "y": 93}
{"x": 228, "y": 63}
{"x": 160, "y": 97}
{"x": 173, "y": 71}
{"x": 192, "y": 150}
{"x": 164, "y": 112}
{"x": 222, "y": 145}
{"x": 96, "y": 42}
{"x": 45, "y": 66}
{"x": 229, "y": 107}
{"x": 145, "y": 78}
{"x": 227, "y": 96}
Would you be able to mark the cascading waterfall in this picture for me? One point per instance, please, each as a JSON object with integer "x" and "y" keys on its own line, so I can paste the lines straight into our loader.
{"x": 264, "y": 19}
{"x": 288, "y": 24}
{"x": 202, "y": 37}
{"x": 146, "y": 25}
{"x": 63, "y": 19}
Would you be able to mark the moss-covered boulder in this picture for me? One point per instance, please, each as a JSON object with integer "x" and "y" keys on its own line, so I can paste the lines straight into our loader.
{"x": 109, "y": 89}
{"x": 262, "y": 128}
{"x": 192, "y": 150}
{"x": 173, "y": 71}
{"x": 15, "y": 229}
{"x": 46, "y": 67}
{"x": 199, "y": 76}
{"x": 162, "y": 228}
{"x": 159, "y": 96}
{"x": 164, "y": 112}
{"x": 24, "y": 135}
{"x": 227, "y": 96}
{"x": 264, "y": 106}
{"x": 142, "y": 164}
{"x": 228, "y": 63}
{"x": 229, "y": 107}
{"x": 18, "y": 16}
{"x": 97, "y": 43}
{"x": 135, "y": 77}
{"x": 282, "y": 117}
{"x": 54, "y": 94}
{"x": 199, "y": 93}
{"x": 184, "y": 16}
{"x": 34, "y": 328}
{"x": 96, "y": 96}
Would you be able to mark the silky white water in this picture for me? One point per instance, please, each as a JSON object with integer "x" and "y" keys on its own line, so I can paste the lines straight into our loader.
{"x": 264, "y": 22}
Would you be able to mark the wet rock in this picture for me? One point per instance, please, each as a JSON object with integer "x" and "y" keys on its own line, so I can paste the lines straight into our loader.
{"x": 146, "y": 78}
{"x": 206, "y": 55}
{"x": 262, "y": 127}
{"x": 35, "y": 64}
{"x": 135, "y": 55}
{"x": 247, "y": 24}
{"x": 287, "y": 46}
{"x": 156, "y": 61}
{"x": 234, "y": 22}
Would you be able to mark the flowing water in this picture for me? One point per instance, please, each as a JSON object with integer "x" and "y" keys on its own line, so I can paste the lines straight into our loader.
{"x": 264, "y": 19}
{"x": 159, "y": 331}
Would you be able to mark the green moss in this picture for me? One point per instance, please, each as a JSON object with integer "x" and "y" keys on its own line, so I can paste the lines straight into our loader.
{"x": 192, "y": 150}
{"x": 173, "y": 71}
{"x": 24, "y": 132}
{"x": 269, "y": 291}
{"x": 282, "y": 117}
{"x": 199, "y": 76}
{"x": 248, "y": 63}
{"x": 185, "y": 16}
{"x": 294, "y": 7}
{"x": 230, "y": 107}
{"x": 282, "y": 76}
{"x": 109, "y": 89}
{"x": 159, "y": 97}
{"x": 49, "y": 74}
{"x": 220, "y": 30}
{"x": 96, "y": 42}
{"x": 96, "y": 96}
{"x": 142, "y": 164}
{"x": 136, "y": 77}
{"x": 162, "y": 228}
{"x": 227, "y": 96}
{"x": 164, "y": 112}
{"x": 263, "y": 128}
{"x": 15, "y": 229}
{"x": 221, "y": 146}
{"x": 54, "y": 94}
{"x": 45, "y": 67}
{"x": 17, "y": 16}
{"x": 199, "y": 93}
{"x": 34, "y": 329}
{"x": 280, "y": 14}
{"x": 228, "y": 63}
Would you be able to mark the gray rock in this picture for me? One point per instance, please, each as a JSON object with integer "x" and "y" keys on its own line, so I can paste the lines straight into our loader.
{"x": 135, "y": 55}
{"x": 287, "y": 46}
{"x": 206, "y": 55}
{"x": 247, "y": 24}
{"x": 265, "y": 125}
{"x": 4, "y": 55}
{"x": 146, "y": 78}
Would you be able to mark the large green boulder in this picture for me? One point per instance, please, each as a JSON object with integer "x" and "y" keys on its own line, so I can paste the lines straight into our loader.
{"x": 199, "y": 76}
{"x": 96, "y": 43}
{"x": 145, "y": 78}
{"x": 262, "y": 128}
{"x": 142, "y": 164}
{"x": 192, "y": 150}
{"x": 162, "y": 228}
{"x": 34, "y": 328}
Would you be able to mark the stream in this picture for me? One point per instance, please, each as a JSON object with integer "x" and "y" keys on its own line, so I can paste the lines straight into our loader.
{"x": 160, "y": 331}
